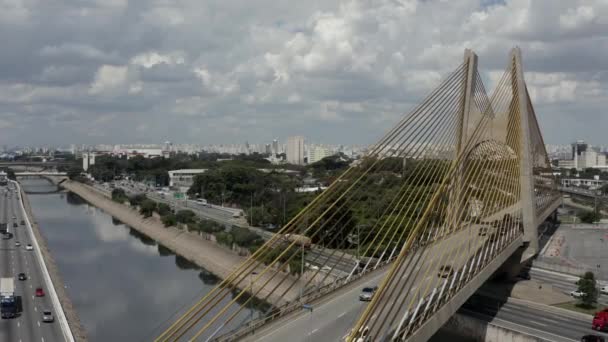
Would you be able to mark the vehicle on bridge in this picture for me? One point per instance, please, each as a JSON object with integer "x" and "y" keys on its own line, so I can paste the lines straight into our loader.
{"x": 3, "y": 228}
{"x": 8, "y": 302}
{"x": 300, "y": 240}
{"x": 367, "y": 293}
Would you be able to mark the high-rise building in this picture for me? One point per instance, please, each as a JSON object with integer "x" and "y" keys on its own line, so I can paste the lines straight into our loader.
{"x": 267, "y": 149}
{"x": 317, "y": 153}
{"x": 275, "y": 146}
{"x": 295, "y": 150}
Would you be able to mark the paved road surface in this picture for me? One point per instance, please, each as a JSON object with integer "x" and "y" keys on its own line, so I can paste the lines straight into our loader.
{"x": 28, "y": 327}
{"x": 533, "y": 321}
{"x": 332, "y": 319}
{"x": 561, "y": 282}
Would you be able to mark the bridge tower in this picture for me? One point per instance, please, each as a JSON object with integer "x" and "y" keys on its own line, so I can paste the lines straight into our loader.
{"x": 528, "y": 206}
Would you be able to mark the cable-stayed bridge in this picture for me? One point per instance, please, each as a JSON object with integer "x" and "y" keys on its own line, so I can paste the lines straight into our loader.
{"x": 461, "y": 183}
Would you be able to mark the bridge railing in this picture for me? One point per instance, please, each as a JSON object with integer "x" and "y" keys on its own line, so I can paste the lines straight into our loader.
{"x": 278, "y": 312}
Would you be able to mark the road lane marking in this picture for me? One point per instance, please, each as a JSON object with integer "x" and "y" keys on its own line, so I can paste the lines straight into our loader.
{"x": 18, "y": 324}
{"x": 42, "y": 339}
{"x": 342, "y": 314}
{"x": 35, "y": 308}
{"x": 39, "y": 323}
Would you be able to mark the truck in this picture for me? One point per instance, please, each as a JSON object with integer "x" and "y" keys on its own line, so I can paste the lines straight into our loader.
{"x": 8, "y": 302}
{"x": 600, "y": 321}
{"x": 3, "y": 228}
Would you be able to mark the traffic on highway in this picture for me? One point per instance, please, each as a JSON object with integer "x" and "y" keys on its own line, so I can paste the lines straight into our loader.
{"x": 27, "y": 310}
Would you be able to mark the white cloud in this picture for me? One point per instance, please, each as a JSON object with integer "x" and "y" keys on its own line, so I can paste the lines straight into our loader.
{"x": 150, "y": 59}
{"x": 108, "y": 77}
{"x": 260, "y": 70}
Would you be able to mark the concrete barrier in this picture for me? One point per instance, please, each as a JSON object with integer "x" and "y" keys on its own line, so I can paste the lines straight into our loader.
{"x": 61, "y": 318}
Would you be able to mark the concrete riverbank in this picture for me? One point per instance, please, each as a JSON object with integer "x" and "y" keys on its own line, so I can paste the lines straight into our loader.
{"x": 203, "y": 253}
{"x": 78, "y": 332}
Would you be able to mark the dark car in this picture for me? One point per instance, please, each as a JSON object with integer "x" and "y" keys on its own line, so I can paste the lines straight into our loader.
{"x": 445, "y": 271}
{"x": 15, "y": 225}
{"x": 592, "y": 338}
{"x": 22, "y": 276}
{"x": 22, "y": 222}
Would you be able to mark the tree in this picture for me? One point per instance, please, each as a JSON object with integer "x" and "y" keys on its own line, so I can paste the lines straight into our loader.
{"x": 147, "y": 207}
{"x": 74, "y": 172}
{"x": 587, "y": 285}
{"x": 137, "y": 199}
{"x": 119, "y": 195}
{"x": 589, "y": 216}
{"x": 185, "y": 216}
{"x": 163, "y": 209}
{"x": 169, "y": 220}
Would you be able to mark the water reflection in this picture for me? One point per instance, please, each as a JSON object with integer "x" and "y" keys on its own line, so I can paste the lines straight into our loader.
{"x": 120, "y": 281}
{"x": 74, "y": 199}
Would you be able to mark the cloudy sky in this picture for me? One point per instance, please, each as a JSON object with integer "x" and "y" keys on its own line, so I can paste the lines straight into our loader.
{"x": 227, "y": 71}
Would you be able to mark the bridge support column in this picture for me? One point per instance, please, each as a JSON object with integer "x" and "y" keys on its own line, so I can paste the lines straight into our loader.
{"x": 527, "y": 196}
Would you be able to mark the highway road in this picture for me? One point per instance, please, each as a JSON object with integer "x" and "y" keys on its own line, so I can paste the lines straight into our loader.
{"x": 562, "y": 282}
{"x": 547, "y": 325}
{"x": 333, "y": 318}
{"x": 28, "y": 326}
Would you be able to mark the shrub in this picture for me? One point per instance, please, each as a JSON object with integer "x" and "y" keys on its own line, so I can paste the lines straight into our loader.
{"x": 169, "y": 220}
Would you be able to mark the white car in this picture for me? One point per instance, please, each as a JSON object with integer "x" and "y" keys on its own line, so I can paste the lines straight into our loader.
{"x": 29, "y": 247}
{"x": 577, "y": 294}
{"x": 604, "y": 290}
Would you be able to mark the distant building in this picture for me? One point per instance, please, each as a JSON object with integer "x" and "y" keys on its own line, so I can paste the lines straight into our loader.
{"x": 592, "y": 184}
{"x": 583, "y": 156}
{"x": 275, "y": 147}
{"x": 295, "y": 150}
{"x": 88, "y": 159}
{"x": 317, "y": 153}
{"x": 267, "y": 149}
{"x": 184, "y": 178}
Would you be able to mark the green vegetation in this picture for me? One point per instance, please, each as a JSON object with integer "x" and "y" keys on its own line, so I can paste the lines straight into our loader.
{"x": 185, "y": 216}
{"x": 147, "y": 207}
{"x": 589, "y": 216}
{"x": 163, "y": 209}
{"x": 119, "y": 195}
{"x": 169, "y": 220}
{"x": 588, "y": 286}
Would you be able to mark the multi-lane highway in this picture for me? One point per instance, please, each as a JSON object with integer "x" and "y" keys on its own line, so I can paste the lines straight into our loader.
{"x": 549, "y": 325}
{"x": 561, "y": 282}
{"x": 28, "y": 326}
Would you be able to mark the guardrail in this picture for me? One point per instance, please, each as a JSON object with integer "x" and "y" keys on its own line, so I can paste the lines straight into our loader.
{"x": 251, "y": 326}
{"x": 63, "y": 322}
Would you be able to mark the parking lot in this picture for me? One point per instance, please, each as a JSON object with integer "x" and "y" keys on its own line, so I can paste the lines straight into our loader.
{"x": 581, "y": 245}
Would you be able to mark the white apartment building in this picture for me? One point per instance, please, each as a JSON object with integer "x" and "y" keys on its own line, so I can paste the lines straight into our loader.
{"x": 317, "y": 153}
{"x": 184, "y": 178}
{"x": 295, "y": 150}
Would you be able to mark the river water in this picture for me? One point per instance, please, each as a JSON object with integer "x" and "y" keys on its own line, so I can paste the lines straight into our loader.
{"x": 124, "y": 286}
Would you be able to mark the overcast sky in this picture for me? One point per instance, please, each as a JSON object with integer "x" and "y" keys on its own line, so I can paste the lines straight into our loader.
{"x": 227, "y": 71}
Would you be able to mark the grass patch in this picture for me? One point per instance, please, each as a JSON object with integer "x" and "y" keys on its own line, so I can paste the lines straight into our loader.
{"x": 573, "y": 306}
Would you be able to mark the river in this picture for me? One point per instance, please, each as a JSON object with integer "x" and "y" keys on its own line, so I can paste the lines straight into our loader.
{"x": 124, "y": 286}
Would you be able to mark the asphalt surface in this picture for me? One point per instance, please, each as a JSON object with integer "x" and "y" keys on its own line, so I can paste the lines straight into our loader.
{"x": 547, "y": 325}
{"x": 561, "y": 282}
{"x": 333, "y": 319}
{"x": 28, "y": 326}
